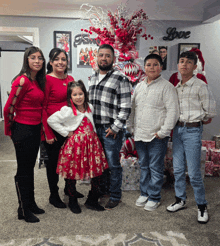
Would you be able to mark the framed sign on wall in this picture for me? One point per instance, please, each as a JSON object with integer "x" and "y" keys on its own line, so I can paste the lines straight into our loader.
{"x": 182, "y": 47}
{"x": 62, "y": 40}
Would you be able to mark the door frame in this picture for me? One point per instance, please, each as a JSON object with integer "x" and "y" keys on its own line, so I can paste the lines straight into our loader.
{"x": 26, "y": 31}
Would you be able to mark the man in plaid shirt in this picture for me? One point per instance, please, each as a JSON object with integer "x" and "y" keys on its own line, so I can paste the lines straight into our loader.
{"x": 197, "y": 107}
{"x": 110, "y": 95}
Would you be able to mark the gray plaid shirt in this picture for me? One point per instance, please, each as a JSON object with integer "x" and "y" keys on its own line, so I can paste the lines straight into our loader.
{"x": 195, "y": 100}
{"x": 111, "y": 99}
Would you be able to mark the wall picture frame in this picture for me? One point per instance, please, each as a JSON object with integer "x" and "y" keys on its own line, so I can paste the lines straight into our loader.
{"x": 186, "y": 47}
{"x": 162, "y": 52}
{"x": 63, "y": 40}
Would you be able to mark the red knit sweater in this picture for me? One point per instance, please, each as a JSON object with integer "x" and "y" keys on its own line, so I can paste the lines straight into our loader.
{"x": 55, "y": 99}
{"x": 24, "y": 104}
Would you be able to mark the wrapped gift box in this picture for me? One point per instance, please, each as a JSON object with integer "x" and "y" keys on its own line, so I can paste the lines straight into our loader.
{"x": 203, "y": 160}
{"x": 212, "y": 169}
{"x": 208, "y": 144}
{"x": 207, "y": 158}
{"x": 130, "y": 174}
{"x": 216, "y": 138}
{"x": 215, "y": 156}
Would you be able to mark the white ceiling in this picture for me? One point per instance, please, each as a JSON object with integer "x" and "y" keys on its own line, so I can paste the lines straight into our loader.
{"x": 191, "y": 10}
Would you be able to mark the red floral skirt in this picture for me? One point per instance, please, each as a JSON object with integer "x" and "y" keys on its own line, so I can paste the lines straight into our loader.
{"x": 82, "y": 155}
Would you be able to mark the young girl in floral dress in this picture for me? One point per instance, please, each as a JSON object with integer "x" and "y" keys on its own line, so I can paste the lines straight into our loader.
{"x": 81, "y": 156}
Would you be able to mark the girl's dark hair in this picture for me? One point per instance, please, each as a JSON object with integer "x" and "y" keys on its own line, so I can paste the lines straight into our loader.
{"x": 40, "y": 77}
{"x": 53, "y": 55}
{"x": 81, "y": 85}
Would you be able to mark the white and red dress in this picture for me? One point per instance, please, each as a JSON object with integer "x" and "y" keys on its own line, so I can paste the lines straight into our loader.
{"x": 81, "y": 156}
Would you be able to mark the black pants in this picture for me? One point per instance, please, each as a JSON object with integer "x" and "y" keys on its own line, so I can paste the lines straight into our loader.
{"x": 51, "y": 163}
{"x": 26, "y": 139}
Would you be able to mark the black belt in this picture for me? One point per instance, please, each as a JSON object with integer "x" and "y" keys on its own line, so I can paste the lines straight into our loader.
{"x": 187, "y": 124}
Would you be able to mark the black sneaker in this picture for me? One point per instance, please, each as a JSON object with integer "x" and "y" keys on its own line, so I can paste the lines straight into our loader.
{"x": 94, "y": 206}
{"x": 112, "y": 204}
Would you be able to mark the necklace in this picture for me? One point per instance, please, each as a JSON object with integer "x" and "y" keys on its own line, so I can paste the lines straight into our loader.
{"x": 82, "y": 110}
{"x": 61, "y": 77}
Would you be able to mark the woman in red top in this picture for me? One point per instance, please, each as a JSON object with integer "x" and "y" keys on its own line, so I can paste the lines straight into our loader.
{"x": 55, "y": 98}
{"x": 22, "y": 115}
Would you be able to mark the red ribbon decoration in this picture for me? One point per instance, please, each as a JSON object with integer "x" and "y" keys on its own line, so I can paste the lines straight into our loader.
{"x": 73, "y": 107}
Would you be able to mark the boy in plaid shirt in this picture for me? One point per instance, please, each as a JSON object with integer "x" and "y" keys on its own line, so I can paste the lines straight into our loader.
{"x": 197, "y": 107}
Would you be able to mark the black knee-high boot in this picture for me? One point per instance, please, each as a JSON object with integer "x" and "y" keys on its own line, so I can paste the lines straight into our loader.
{"x": 52, "y": 176}
{"x": 32, "y": 204}
{"x": 22, "y": 184}
{"x": 94, "y": 194}
{"x": 78, "y": 194}
{"x": 73, "y": 203}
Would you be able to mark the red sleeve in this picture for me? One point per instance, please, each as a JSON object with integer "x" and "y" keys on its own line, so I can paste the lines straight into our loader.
{"x": 46, "y": 128}
{"x": 18, "y": 90}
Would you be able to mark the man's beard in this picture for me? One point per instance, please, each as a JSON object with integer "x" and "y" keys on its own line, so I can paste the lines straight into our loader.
{"x": 105, "y": 67}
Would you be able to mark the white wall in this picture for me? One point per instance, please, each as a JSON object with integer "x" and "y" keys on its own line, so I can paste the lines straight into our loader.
{"x": 206, "y": 34}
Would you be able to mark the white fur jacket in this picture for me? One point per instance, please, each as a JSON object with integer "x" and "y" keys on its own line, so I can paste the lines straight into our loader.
{"x": 64, "y": 121}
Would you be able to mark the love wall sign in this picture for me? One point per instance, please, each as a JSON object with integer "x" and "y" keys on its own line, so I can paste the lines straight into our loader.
{"x": 172, "y": 33}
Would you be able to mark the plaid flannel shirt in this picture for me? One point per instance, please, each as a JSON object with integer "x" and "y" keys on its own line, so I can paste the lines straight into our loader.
{"x": 111, "y": 99}
{"x": 195, "y": 100}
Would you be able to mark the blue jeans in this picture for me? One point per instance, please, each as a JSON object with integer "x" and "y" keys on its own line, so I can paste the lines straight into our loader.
{"x": 187, "y": 150}
{"x": 112, "y": 148}
{"x": 151, "y": 159}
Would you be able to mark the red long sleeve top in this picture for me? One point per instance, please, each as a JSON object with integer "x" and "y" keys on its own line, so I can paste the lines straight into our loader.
{"x": 24, "y": 104}
{"x": 55, "y": 99}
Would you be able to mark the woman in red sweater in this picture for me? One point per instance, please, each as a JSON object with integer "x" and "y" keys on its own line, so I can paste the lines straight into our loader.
{"x": 55, "y": 98}
{"x": 22, "y": 116}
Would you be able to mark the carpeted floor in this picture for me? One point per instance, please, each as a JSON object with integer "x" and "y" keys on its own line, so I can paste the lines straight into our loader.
{"x": 124, "y": 225}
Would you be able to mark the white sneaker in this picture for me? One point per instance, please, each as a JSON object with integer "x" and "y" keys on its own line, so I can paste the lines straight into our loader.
{"x": 203, "y": 216}
{"x": 178, "y": 205}
{"x": 141, "y": 201}
{"x": 151, "y": 206}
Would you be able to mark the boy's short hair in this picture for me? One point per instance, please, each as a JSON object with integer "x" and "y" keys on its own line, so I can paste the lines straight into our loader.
{"x": 190, "y": 55}
{"x": 153, "y": 56}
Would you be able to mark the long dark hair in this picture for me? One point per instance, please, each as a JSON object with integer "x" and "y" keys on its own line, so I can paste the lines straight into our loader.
{"x": 40, "y": 77}
{"x": 52, "y": 56}
{"x": 81, "y": 85}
